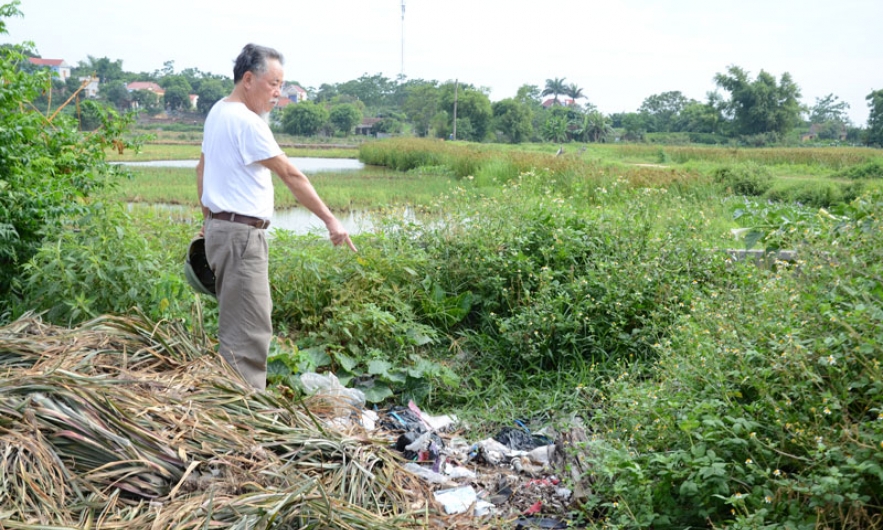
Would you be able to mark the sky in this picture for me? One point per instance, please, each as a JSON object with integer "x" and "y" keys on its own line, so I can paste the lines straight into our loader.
{"x": 618, "y": 51}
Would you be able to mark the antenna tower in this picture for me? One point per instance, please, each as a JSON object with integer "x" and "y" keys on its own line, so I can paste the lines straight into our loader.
{"x": 402, "y": 73}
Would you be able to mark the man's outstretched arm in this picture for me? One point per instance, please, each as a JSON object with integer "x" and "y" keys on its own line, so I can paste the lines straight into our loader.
{"x": 303, "y": 191}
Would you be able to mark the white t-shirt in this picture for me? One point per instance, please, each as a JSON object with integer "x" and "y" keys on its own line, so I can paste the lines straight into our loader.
{"x": 234, "y": 142}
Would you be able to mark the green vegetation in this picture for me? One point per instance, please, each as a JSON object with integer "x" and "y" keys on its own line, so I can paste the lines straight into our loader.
{"x": 589, "y": 285}
{"x": 48, "y": 168}
{"x": 569, "y": 290}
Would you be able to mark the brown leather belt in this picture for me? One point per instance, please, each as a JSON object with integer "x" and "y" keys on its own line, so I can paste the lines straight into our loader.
{"x": 256, "y": 222}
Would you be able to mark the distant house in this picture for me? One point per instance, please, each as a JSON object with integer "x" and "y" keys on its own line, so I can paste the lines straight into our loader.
{"x": 561, "y": 101}
{"x": 149, "y": 86}
{"x": 366, "y": 128}
{"x": 194, "y": 99}
{"x": 283, "y": 102}
{"x": 90, "y": 86}
{"x": 816, "y": 128}
{"x": 295, "y": 93}
{"x": 60, "y": 68}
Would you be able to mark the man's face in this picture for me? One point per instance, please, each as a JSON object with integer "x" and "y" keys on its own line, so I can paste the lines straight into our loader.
{"x": 264, "y": 89}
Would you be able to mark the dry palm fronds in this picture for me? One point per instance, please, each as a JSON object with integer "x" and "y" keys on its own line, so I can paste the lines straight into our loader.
{"x": 121, "y": 423}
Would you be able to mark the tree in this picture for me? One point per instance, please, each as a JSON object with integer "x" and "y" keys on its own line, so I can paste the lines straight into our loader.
{"x": 556, "y": 123}
{"x": 761, "y": 106}
{"x": 528, "y": 94}
{"x": 513, "y": 120}
{"x": 698, "y": 117}
{"x": 594, "y": 127}
{"x": 47, "y": 165}
{"x": 326, "y": 92}
{"x": 635, "y": 126}
{"x": 875, "y": 119}
{"x": 344, "y": 117}
{"x": 473, "y": 105}
{"x": 304, "y": 119}
{"x": 574, "y": 92}
{"x": 421, "y": 106}
{"x": 554, "y": 87}
{"x": 663, "y": 110}
{"x": 374, "y": 91}
{"x": 115, "y": 92}
{"x": 209, "y": 92}
{"x": 147, "y": 101}
{"x": 178, "y": 89}
{"x": 104, "y": 69}
{"x": 829, "y": 108}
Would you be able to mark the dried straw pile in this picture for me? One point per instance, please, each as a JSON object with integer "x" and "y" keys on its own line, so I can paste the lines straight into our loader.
{"x": 121, "y": 423}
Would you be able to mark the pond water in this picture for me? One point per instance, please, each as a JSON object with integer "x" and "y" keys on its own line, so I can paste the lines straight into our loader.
{"x": 302, "y": 221}
{"x": 298, "y": 220}
{"x": 306, "y": 164}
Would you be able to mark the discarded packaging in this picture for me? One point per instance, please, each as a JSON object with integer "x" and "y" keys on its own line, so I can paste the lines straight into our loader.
{"x": 458, "y": 500}
{"x": 427, "y": 474}
{"x": 327, "y": 385}
{"x": 433, "y": 423}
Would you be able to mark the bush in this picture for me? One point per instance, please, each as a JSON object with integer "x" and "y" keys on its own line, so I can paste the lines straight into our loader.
{"x": 47, "y": 166}
{"x": 763, "y": 410}
{"x": 869, "y": 170}
{"x": 105, "y": 263}
{"x": 747, "y": 178}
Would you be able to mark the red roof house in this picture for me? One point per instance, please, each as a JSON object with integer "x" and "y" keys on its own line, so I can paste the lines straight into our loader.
{"x": 150, "y": 86}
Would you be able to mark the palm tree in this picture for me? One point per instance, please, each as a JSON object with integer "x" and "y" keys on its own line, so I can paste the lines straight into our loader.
{"x": 574, "y": 92}
{"x": 554, "y": 87}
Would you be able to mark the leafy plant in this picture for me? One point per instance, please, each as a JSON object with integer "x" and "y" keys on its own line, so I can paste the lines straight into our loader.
{"x": 104, "y": 263}
{"x": 48, "y": 168}
{"x": 763, "y": 409}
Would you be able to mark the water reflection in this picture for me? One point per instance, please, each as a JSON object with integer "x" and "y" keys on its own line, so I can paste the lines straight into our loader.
{"x": 307, "y": 164}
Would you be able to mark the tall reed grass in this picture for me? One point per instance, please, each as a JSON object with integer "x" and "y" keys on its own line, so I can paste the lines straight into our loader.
{"x": 489, "y": 164}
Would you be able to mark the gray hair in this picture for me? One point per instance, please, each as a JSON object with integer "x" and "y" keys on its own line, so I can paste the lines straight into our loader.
{"x": 254, "y": 58}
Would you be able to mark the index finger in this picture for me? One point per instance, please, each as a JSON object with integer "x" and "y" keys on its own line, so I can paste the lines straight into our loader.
{"x": 351, "y": 245}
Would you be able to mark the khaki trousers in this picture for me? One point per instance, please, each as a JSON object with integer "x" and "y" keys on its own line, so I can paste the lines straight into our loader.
{"x": 238, "y": 254}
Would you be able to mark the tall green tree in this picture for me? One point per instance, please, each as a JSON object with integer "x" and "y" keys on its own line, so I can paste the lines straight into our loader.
{"x": 663, "y": 110}
{"x": 829, "y": 108}
{"x": 635, "y": 125}
{"x": 528, "y": 94}
{"x": 345, "y": 117}
{"x": 178, "y": 90}
{"x": 472, "y": 105}
{"x": 875, "y": 119}
{"x": 762, "y": 105}
{"x": 103, "y": 68}
{"x": 574, "y": 92}
{"x": 555, "y": 87}
{"x": 421, "y": 106}
{"x": 210, "y": 91}
{"x": 304, "y": 119}
{"x": 374, "y": 91}
{"x": 512, "y": 120}
{"x": 115, "y": 92}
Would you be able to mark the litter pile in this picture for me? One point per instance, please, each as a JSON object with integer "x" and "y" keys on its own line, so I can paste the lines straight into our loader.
{"x": 513, "y": 476}
{"x": 123, "y": 423}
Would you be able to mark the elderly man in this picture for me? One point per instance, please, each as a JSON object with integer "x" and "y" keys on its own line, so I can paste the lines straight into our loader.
{"x": 235, "y": 187}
